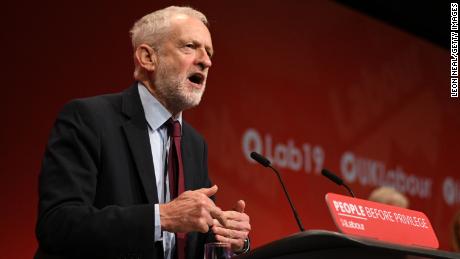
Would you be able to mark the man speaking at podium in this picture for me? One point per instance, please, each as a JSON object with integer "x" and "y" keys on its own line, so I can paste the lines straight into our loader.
{"x": 124, "y": 176}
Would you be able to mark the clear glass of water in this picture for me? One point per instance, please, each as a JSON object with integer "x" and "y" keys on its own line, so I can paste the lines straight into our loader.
{"x": 217, "y": 250}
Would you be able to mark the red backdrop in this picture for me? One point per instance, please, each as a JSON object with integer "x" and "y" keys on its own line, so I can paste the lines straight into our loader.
{"x": 309, "y": 84}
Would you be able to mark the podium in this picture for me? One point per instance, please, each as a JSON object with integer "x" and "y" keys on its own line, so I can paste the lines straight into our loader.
{"x": 322, "y": 244}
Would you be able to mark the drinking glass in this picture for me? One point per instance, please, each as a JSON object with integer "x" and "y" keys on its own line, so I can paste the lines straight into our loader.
{"x": 217, "y": 250}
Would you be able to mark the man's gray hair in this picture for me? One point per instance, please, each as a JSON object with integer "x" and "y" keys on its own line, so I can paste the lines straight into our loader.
{"x": 151, "y": 28}
{"x": 389, "y": 195}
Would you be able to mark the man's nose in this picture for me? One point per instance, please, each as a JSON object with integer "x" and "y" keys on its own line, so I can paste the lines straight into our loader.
{"x": 203, "y": 59}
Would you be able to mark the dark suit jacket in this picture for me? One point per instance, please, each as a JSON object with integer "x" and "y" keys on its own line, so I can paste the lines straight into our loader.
{"x": 97, "y": 184}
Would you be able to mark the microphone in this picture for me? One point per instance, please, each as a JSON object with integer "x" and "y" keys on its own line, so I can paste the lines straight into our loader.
{"x": 331, "y": 176}
{"x": 266, "y": 163}
{"x": 261, "y": 159}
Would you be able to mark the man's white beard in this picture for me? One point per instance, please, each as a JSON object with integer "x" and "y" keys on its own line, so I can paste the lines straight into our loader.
{"x": 174, "y": 91}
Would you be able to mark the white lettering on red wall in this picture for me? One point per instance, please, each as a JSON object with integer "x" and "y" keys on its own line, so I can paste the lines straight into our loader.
{"x": 451, "y": 191}
{"x": 284, "y": 154}
{"x": 369, "y": 172}
{"x": 309, "y": 158}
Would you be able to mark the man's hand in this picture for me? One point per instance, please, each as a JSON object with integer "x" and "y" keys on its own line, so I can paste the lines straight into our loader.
{"x": 191, "y": 211}
{"x": 235, "y": 229}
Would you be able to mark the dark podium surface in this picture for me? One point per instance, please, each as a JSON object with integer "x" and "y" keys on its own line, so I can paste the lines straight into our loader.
{"x": 327, "y": 244}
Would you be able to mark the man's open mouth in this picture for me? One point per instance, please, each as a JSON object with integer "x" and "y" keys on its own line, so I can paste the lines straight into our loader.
{"x": 196, "y": 78}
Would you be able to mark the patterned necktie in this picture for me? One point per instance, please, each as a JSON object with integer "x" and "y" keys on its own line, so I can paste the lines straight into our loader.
{"x": 176, "y": 176}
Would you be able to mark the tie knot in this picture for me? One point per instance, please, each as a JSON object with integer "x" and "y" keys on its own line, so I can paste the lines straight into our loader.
{"x": 174, "y": 129}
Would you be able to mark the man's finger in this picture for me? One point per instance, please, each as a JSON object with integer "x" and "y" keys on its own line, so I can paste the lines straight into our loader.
{"x": 240, "y": 206}
{"x": 218, "y": 214}
{"x": 208, "y": 191}
{"x": 237, "y": 225}
{"x": 229, "y": 233}
{"x": 237, "y": 216}
{"x": 215, "y": 222}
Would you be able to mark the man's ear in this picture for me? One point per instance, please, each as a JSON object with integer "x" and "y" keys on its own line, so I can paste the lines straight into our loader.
{"x": 146, "y": 57}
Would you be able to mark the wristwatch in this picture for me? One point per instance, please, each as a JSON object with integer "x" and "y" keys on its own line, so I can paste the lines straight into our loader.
{"x": 246, "y": 247}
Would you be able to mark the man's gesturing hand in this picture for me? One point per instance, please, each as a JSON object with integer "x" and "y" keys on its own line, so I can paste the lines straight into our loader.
{"x": 235, "y": 229}
{"x": 191, "y": 211}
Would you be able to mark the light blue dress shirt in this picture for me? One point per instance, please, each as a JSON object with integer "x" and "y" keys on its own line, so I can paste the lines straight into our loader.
{"x": 156, "y": 115}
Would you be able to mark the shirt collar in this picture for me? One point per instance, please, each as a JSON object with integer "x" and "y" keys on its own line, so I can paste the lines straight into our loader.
{"x": 155, "y": 113}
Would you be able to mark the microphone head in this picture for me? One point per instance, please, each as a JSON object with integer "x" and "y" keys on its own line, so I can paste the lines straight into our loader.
{"x": 260, "y": 159}
{"x": 332, "y": 176}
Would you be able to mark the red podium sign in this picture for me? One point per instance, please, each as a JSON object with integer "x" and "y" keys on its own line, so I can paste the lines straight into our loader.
{"x": 380, "y": 221}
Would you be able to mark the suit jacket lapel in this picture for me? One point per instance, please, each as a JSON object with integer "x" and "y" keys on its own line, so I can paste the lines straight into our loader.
{"x": 136, "y": 132}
